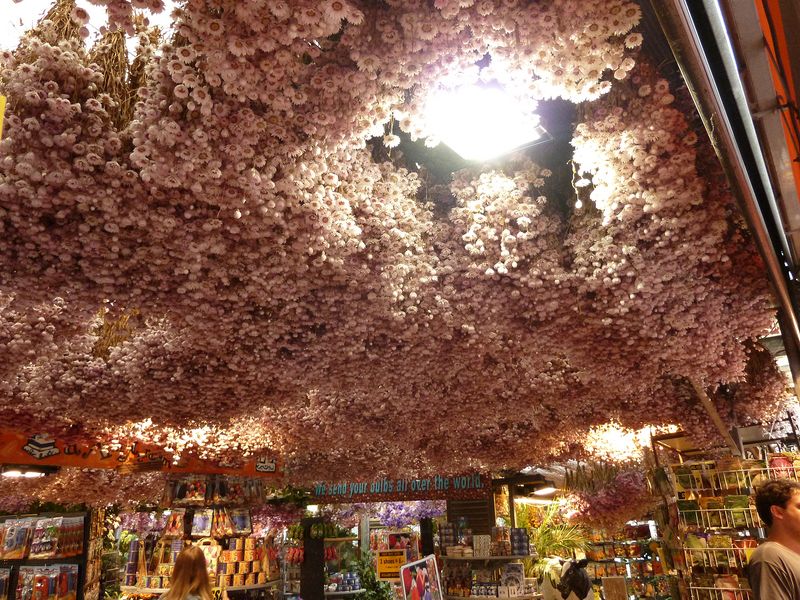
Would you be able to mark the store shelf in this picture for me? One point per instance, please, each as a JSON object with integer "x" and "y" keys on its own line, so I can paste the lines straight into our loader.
{"x": 525, "y": 597}
{"x": 620, "y": 559}
{"x": 350, "y": 593}
{"x": 486, "y": 558}
{"x": 231, "y": 588}
{"x": 342, "y": 539}
{"x": 37, "y": 562}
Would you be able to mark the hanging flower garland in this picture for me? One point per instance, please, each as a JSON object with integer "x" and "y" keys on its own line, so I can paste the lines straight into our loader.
{"x": 606, "y": 497}
{"x": 295, "y": 295}
{"x": 90, "y": 487}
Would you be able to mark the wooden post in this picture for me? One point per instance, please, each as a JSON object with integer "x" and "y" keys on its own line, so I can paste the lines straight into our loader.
{"x": 312, "y": 571}
{"x": 709, "y": 407}
{"x": 426, "y": 535}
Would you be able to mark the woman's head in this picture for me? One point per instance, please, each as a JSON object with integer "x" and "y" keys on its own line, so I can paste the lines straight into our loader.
{"x": 189, "y": 576}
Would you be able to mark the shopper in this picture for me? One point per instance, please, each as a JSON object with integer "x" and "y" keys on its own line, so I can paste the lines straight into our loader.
{"x": 189, "y": 579}
{"x": 774, "y": 570}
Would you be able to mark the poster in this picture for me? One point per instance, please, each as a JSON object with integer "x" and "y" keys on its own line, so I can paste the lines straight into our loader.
{"x": 421, "y": 580}
{"x": 388, "y": 563}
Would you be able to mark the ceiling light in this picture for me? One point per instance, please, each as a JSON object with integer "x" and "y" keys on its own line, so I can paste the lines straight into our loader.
{"x": 536, "y": 501}
{"x": 546, "y": 490}
{"x": 480, "y": 122}
{"x": 26, "y": 471}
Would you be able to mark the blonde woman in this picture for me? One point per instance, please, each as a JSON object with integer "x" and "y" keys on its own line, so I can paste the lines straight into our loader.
{"x": 189, "y": 579}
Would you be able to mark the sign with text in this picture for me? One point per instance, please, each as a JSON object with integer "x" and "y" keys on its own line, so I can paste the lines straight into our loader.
{"x": 17, "y": 448}
{"x": 388, "y": 563}
{"x": 425, "y": 488}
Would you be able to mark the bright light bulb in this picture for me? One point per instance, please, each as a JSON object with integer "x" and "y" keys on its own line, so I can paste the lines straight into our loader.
{"x": 535, "y": 501}
{"x": 548, "y": 489}
{"x": 32, "y": 474}
{"x": 480, "y": 122}
{"x": 13, "y": 473}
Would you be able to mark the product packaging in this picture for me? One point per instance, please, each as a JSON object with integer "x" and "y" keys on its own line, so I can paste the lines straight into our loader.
{"x": 17, "y": 539}
{"x": 45, "y": 538}
{"x": 25, "y": 579}
{"x": 174, "y": 527}
{"x": 201, "y": 522}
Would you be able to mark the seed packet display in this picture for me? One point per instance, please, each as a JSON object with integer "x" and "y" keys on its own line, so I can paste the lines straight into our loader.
{"x": 201, "y": 522}
{"x": 191, "y": 491}
{"x": 222, "y": 525}
{"x": 45, "y": 583}
{"x": 174, "y": 526}
{"x": 25, "y": 583}
{"x": 241, "y": 520}
{"x": 70, "y": 542}
{"x": 5, "y": 578}
{"x": 67, "y": 582}
{"x": 17, "y": 539}
{"x": 45, "y": 538}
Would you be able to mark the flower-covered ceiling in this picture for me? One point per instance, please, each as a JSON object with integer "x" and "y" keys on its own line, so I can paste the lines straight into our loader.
{"x": 219, "y": 248}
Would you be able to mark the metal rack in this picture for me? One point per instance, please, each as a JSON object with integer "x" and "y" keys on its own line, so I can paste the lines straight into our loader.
{"x": 715, "y": 558}
{"x": 720, "y": 518}
{"x": 738, "y": 481}
{"x": 712, "y": 593}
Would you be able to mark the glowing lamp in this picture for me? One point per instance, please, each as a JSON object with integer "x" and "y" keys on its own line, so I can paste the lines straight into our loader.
{"x": 546, "y": 490}
{"x": 535, "y": 501}
{"x": 26, "y": 472}
{"x": 480, "y": 122}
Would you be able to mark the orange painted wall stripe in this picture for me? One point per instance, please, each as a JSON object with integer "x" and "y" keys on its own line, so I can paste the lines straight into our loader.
{"x": 779, "y": 49}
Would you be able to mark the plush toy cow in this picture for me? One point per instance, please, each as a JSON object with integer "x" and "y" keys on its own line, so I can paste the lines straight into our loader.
{"x": 575, "y": 583}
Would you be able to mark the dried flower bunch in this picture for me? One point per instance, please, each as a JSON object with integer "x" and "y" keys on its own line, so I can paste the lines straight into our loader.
{"x": 606, "y": 497}
{"x": 292, "y": 293}
{"x": 90, "y": 487}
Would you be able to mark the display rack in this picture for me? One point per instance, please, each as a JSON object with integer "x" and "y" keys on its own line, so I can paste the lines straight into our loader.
{"x": 144, "y": 591}
{"x": 713, "y": 593}
{"x": 337, "y": 562}
{"x": 485, "y": 558}
{"x": 523, "y": 597}
{"x": 88, "y": 560}
{"x": 643, "y": 571}
{"x": 720, "y": 519}
{"x": 716, "y": 525}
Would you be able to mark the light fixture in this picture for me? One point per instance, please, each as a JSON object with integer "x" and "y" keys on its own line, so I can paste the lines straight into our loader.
{"x": 548, "y": 489}
{"x": 26, "y": 471}
{"x": 535, "y": 501}
{"x": 480, "y": 122}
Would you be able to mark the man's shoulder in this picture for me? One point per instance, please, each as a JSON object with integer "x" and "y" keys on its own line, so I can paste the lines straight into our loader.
{"x": 773, "y": 552}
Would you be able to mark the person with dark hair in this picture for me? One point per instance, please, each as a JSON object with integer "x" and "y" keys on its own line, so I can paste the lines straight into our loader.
{"x": 774, "y": 568}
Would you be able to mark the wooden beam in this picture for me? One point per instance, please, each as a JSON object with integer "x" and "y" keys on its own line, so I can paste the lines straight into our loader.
{"x": 709, "y": 407}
